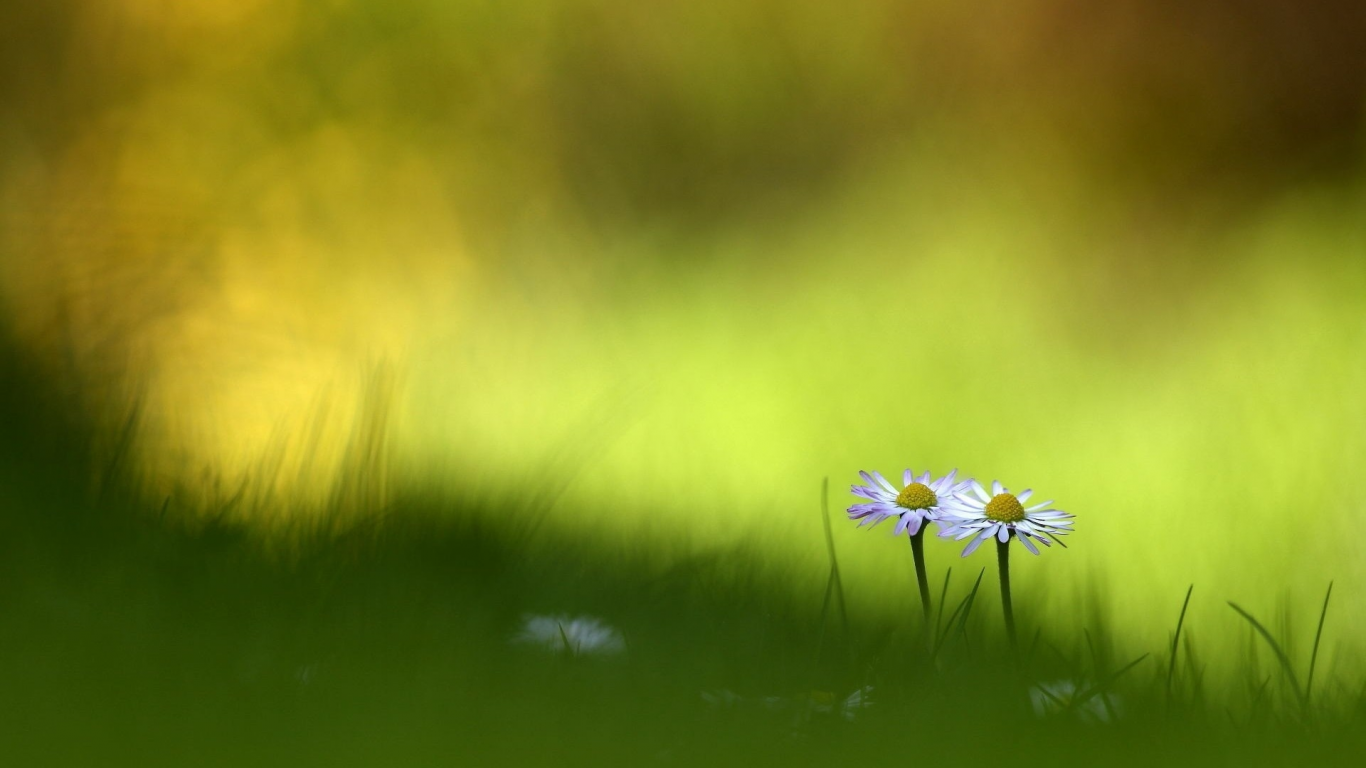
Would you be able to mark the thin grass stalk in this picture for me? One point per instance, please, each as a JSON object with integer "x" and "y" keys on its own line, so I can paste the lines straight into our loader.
{"x": 943, "y": 595}
{"x": 569, "y": 648}
{"x": 1033, "y": 645}
{"x": 1284, "y": 660}
{"x": 1176, "y": 638}
{"x": 1095, "y": 670}
{"x": 1314, "y": 656}
{"x": 1110, "y": 680}
{"x": 834, "y": 587}
{"x": 959, "y": 617}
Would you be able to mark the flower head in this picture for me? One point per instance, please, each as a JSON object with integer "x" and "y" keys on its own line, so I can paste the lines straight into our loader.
{"x": 577, "y": 636}
{"x": 1087, "y": 704}
{"x": 981, "y": 515}
{"x": 919, "y": 499}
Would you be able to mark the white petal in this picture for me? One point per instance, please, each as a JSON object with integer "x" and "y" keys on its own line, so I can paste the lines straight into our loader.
{"x": 980, "y": 491}
{"x": 1024, "y": 495}
{"x": 906, "y": 477}
{"x": 996, "y": 488}
{"x": 868, "y": 493}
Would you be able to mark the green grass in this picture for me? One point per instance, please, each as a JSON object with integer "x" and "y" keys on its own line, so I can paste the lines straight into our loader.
{"x": 130, "y": 638}
{"x": 161, "y": 648}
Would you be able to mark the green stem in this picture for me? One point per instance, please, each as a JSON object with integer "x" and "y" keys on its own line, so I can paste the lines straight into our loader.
{"x": 1003, "y": 567}
{"x": 918, "y": 551}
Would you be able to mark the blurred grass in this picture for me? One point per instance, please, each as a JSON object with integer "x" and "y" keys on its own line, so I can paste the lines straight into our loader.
{"x": 1183, "y": 430}
{"x": 131, "y": 641}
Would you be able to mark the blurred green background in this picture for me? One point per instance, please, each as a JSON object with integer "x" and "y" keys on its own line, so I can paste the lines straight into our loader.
{"x": 653, "y": 270}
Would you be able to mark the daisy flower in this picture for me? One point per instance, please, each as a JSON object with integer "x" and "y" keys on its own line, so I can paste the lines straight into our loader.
{"x": 1063, "y": 696}
{"x": 981, "y": 516}
{"x": 576, "y": 636}
{"x": 919, "y": 500}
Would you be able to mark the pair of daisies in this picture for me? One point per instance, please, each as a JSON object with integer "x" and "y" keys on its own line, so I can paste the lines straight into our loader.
{"x": 961, "y": 508}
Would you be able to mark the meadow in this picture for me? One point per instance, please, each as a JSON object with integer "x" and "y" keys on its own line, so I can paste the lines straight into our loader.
{"x": 133, "y": 640}
{"x": 468, "y": 383}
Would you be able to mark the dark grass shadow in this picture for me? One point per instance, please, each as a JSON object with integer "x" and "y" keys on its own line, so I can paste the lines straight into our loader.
{"x": 128, "y": 639}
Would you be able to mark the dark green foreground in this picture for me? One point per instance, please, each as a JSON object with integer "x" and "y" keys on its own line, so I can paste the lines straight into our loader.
{"x": 129, "y": 639}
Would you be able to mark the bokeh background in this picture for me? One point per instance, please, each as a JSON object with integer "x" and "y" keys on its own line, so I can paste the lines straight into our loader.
{"x": 654, "y": 270}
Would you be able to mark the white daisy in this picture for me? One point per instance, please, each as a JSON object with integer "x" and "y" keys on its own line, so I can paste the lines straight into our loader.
{"x": 920, "y": 499}
{"x": 982, "y": 515}
{"x": 856, "y": 701}
{"x": 1089, "y": 706}
{"x": 577, "y": 636}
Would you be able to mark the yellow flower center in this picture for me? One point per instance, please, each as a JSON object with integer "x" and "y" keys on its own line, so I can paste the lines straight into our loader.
{"x": 1005, "y": 508}
{"x": 916, "y": 496}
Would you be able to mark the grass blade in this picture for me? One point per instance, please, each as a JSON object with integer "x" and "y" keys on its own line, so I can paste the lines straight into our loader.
{"x": 958, "y": 609}
{"x": 1033, "y": 645}
{"x": 1107, "y": 682}
{"x": 834, "y": 562}
{"x": 1176, "y": 638}
{"x": 1095, "y": 666}
{"x": 967, "y": 610}
{"x": 965, "y": 603}
{"x": 1195, "y": 670}
{"x": 1062, "y": 706}
{"x": 1314, "y": 657}
{"x": 1091, "y": 648}
{"x": 943, "y": 594}
{"x": 1275, "y": 648}
{"x": 569, "y": 648}
{"x": 1253, "y": 708}
{"x": 825, "y": 611}
{"x": 834, "y": 587}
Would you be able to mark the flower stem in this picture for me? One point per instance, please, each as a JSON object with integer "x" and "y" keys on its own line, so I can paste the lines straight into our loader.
{"x": 1003, "y": 567}
{"x": 918, "y": 551}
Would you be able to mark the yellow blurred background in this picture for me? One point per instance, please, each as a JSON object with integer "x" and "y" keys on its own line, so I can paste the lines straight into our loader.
{"x": 664, "y": 266}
